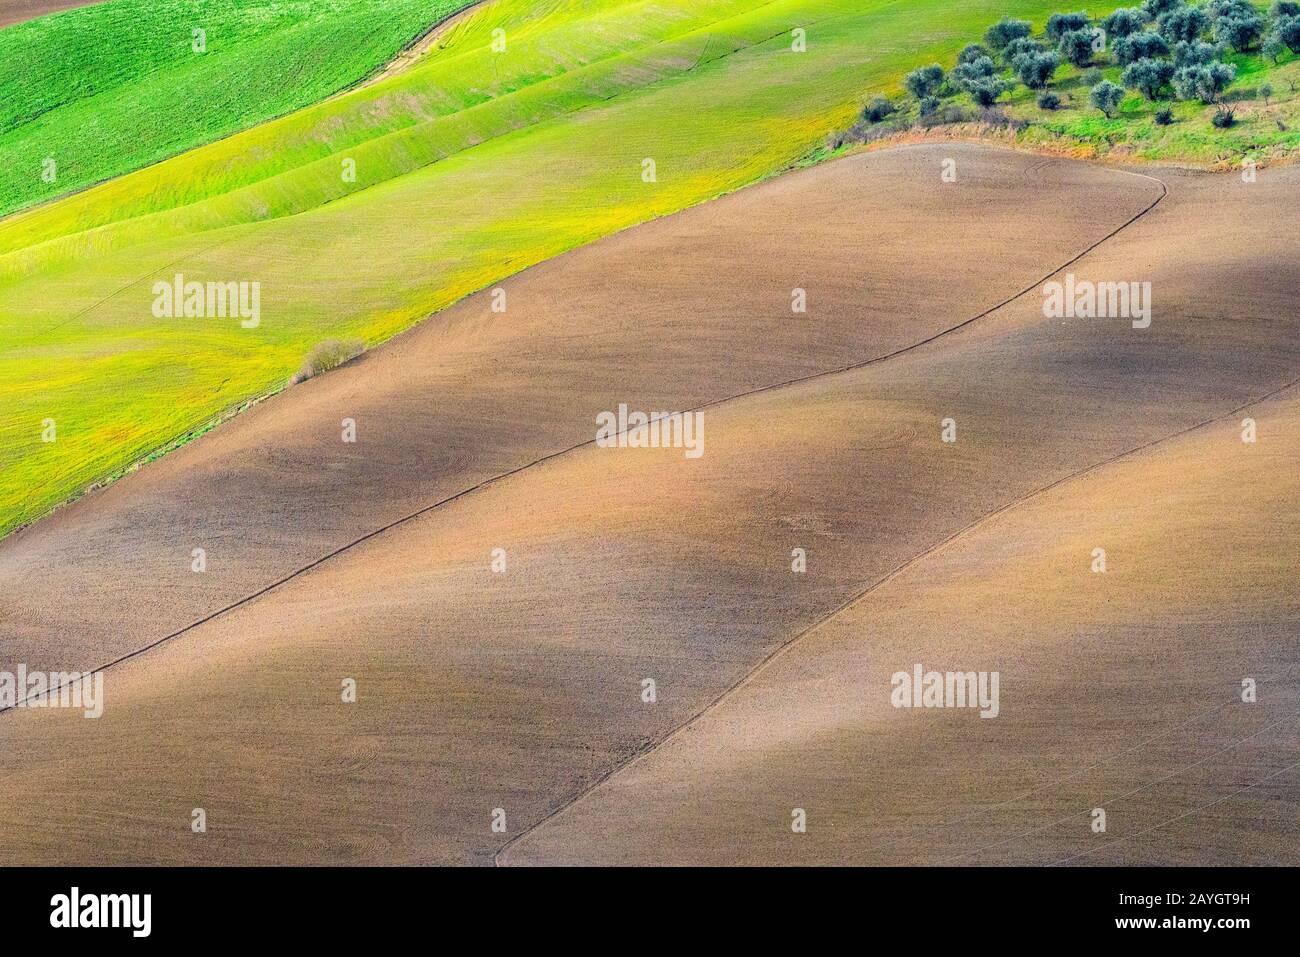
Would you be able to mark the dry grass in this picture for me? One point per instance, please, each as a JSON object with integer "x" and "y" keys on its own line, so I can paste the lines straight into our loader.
{"x": 327, "y": 355}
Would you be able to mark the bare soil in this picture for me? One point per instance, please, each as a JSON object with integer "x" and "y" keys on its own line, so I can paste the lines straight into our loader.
{"x": 523, "y": 690}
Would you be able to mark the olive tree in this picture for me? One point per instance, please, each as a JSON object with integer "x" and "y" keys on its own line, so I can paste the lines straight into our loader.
{"x": 1006, "y": 30}
{"x": 1288, "y": 33}
{"x": 1194, "y": 53}
{"x": 964, "y": 74}
{"x": 986, "y": 91}
{"x": 1076, "y": 47}
{"x": 1106, "y": 96}
{"x": 1019, "y": 47}
{"x": 1035, "y": 69}
{"x": 1139, "y": 46}
{"x": 1154, "y": 8}
{"x": 924, "y": 81}
{"x": 1059, "y": 24}
{"x": 1185, "y": 23}
{"x": 1148, "y": 77}
{"x": 877, "y": 110}
{"x": 1122, "y": 22}
{"x": 1239, "y": 30}
{"x": 1205, "y": 81}
{"x": 1228, "y": 8}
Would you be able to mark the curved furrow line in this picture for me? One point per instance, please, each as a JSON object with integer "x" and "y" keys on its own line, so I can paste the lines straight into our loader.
{"x": 867, "y": 591}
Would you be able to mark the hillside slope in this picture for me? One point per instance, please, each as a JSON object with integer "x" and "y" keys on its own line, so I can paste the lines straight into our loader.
{"x": 474, "y": 394}
{"x": 521, "y": 690}
{"x": 470, "y": 166}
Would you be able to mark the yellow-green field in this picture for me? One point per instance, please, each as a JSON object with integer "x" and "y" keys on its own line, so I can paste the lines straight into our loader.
{"x": 474, "y": 164}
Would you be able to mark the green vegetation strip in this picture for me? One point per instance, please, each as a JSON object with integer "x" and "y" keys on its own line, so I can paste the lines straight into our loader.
{"x": 96, "y": 92}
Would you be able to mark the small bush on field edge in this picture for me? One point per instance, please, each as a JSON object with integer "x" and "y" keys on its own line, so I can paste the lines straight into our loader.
{"x": 327, "y": 355}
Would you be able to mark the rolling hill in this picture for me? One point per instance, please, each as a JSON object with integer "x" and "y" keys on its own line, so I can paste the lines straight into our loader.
{"x": 522, "y": 690}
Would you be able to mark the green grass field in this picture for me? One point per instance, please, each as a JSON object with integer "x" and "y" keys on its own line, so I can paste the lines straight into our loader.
{"x": 110, "y": 88}
{"x": 1263, "y": 131}
{"x": 469, "y": 167}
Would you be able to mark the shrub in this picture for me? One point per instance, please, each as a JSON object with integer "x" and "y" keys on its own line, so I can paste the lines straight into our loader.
{"x": 952, "y": 113}
{"x": 1035, "y": 69}
{"x": 1106, "y": 96}
{"x": 1059, "y": 24}
{"x": 1123, "y": 22}
{"x": 1204, "y": 81}
{"x": 328, "y": 355}
{"x": 1265, "y": 92}
{"x": 877, "y": 110}
{"x": 1047, "y": 100}
{"x": 1223, "y": 118}
{"x": 1164, "y": 116}
{"x": 1239, "y": 31}
{"x": 1288, "y": 32}
{"x": 924, "y": 81}
{"x": 1076, "y": 47}
{"x": 1139, "y": 46}
{"x": 1148, "y": 77}
{"x": 928, "y": 106}
{"x": 971, "y": 52}
{"x": 1004, "y": 31}
{"x": 864, "y": 132}
{"x": 1092, "y": 77}
{"x": 1194, "y": 53}
{"x": 996, "y": 117}
{"x": 1286, "y": 8}
{"x": 1185, "y": 23}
